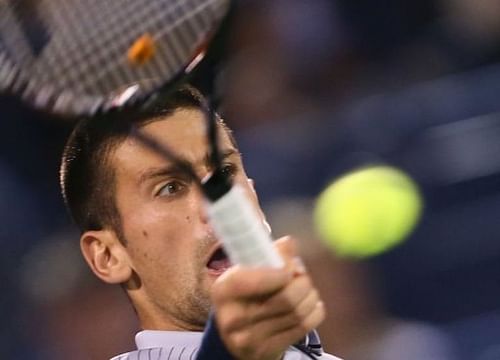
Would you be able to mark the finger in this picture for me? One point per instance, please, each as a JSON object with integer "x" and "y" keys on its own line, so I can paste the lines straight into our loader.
{"x": 249, "y": 283}
{"x": 297, "y": 333}
{"x": 243, "y": 345}
{"x": 233, "y": 316}
{"x": 271, "y": 325}
{"x": 284, "y": 301}
{"x": 257, "y": 342}
{"x": 292, "y": 303}
{"x": 288, "y": 249}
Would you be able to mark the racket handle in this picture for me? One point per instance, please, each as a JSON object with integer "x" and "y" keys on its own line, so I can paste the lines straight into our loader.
{"x": 241, "y": 230}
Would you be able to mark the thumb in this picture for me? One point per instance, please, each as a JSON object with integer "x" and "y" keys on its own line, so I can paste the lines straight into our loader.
{"x": 288, "y": 249}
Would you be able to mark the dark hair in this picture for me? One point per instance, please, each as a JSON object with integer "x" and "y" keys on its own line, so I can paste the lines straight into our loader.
{"x": 86, "y": 176}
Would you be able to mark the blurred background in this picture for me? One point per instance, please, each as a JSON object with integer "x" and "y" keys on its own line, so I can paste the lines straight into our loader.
{"x": 312, "y": 89}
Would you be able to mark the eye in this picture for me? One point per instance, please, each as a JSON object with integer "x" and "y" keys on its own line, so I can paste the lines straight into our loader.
{"x": 229, "y": 170}
{"x": 171, "y": 188}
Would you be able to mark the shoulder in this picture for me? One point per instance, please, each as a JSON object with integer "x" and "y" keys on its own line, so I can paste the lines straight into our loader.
{"x": 162, "y": 353}
{"x": 159, "y": 353}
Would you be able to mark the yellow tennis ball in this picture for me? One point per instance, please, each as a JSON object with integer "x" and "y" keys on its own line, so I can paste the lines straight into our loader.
{"x": 368, "y": 211}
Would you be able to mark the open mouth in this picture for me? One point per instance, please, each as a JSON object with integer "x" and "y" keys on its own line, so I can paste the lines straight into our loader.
{"x": 218, "y": 262}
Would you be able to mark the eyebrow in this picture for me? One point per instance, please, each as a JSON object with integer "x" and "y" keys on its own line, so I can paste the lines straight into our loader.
{"x": 224, "y": 154}
{"x": 174, "y": 169}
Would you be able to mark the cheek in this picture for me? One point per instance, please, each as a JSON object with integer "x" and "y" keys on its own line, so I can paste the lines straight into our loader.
{"x": 158, "y": 217}
{"x": 247, "y": 185}
{"x": 158, "y": 248}
{"x": 164, "y": 229}
{"x": 154, "y": 232}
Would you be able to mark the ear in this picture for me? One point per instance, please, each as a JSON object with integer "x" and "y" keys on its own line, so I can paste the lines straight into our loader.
{"x": 106, "y": 256}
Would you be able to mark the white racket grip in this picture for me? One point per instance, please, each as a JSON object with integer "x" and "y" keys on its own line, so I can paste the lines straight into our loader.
{"x": 241, "y": 230}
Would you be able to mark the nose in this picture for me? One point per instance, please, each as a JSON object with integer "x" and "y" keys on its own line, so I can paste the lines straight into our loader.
{"x": 201, "y": 200}
{"x": 200, "y": 204}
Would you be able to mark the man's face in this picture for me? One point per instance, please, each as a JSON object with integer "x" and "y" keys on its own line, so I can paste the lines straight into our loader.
{"x": 171, "y": 247}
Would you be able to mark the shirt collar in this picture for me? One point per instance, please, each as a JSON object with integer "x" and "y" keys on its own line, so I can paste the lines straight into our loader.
{"x": 156, "y": 338}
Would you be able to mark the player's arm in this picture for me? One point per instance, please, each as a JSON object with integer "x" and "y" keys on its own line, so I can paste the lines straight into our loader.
{"x": 260, "y": 312}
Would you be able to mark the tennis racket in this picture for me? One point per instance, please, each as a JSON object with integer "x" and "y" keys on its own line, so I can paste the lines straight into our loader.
{"x": 85, "y": 58}
{"x": 74, "y": 57}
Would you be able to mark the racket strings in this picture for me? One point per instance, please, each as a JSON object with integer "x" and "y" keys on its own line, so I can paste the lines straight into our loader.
{"x": 8, "y": 72}
{"x": 108, "y": 37}
{"x": 12, "y": 37}
{"x": 85, "y": 62}
{"x": 77, "y": 59}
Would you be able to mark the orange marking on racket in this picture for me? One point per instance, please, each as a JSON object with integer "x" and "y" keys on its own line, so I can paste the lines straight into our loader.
{"x": 142, "y": 50}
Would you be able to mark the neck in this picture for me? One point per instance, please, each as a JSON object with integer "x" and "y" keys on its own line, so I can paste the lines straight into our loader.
{"x": 155, "y": 317}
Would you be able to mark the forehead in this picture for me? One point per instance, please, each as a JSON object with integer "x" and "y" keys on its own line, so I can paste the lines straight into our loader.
{"x": 184, "y": 133}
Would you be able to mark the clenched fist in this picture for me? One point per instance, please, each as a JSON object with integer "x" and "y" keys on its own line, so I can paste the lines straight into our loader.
{"x": 260, "y": 312}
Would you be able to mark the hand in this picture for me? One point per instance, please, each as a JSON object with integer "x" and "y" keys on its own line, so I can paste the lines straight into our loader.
{"x": 260, "y": 312}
